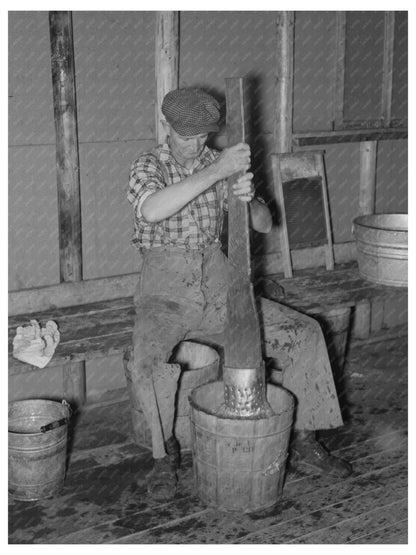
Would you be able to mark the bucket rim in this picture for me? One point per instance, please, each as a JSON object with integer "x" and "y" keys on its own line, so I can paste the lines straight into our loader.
{"x": 362, "y": 221}
{"x": 179, "y": 356}
{"x": 63, "y": 405}
{"x": 195, "y": 405}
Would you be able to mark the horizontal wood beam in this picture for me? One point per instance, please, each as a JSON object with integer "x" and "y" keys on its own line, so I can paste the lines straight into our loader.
{"x": 347, "y": 136}
{"x": 61, "y": 295}
{"x": 66, "y": 294}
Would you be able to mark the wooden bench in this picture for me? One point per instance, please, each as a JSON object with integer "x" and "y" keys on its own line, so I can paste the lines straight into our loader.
{"x": 98, "y": 329}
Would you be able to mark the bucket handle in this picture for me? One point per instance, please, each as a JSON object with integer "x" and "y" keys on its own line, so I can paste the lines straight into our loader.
{"x": 58, "y": 423}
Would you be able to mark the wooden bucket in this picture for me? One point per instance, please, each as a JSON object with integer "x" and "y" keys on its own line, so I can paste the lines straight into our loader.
{"x": 36, "y": 459}
{"x": 200, "y": 365}
{"x": 239, "y": 464}
{"x": 335, "y": 324}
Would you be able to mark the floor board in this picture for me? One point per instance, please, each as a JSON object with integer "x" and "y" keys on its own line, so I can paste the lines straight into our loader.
{"x": 104, "y": 498}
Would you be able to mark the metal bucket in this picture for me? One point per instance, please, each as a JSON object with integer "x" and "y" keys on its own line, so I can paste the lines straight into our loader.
{"x": 37, "y": 459}
{"x": 239, "y": 464}
{"x": 382, "y": 250}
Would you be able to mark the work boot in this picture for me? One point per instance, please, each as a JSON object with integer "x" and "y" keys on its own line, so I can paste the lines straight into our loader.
{"x": 162, "y": 480}
{"x": 174, "y": 452}
{"x": 307, "y": 451}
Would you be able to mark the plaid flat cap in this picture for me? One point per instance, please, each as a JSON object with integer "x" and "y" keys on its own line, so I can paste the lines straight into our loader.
{"x": 191, "y": 111}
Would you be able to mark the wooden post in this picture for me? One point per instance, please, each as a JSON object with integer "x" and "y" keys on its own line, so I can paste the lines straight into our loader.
{"x": 338, "y": 98}
{"x": 283, "y": 232}
{"x": 166, "y": 63}
{"x": 389, "y": 18}
{"x": 283, "y": 117}
{"x": 68, "y": 180}
{"x": 368, "y": 167}
{"x": 283, "y": 120}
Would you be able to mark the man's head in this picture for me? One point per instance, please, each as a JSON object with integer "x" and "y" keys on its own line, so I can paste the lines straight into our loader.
{"x": 191, "y": 111}
{"x": 190, "y": 115}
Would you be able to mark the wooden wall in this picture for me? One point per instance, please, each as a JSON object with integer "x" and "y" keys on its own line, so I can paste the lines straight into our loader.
{"x": 114, "y": 64}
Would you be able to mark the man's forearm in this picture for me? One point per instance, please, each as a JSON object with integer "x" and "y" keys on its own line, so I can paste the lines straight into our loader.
{"x": 168, "y": 201}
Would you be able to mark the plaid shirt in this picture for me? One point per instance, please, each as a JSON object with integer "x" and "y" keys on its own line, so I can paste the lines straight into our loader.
{"x": 197, "y": 225}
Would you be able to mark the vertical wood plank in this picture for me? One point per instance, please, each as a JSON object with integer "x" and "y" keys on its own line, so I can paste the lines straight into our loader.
{"x": 68, "y": 175}
{"x": 377, "y": 315}
{"x": 338, "y": 104}
{"x": 238, "y": 215}
{"x": 166, "y": 62}
{"x": 387, "y": 68}
{"x": 283, "y": 120}
{"x": 362, "y": 320}
{"x": 283, "y": 233}
{"x": 329, "y": 249}
{"x": 368, "y": 167}
{"x": 67, "y": 157}
{"x": 243, "y": 371}
{"x": 242, "y": 336}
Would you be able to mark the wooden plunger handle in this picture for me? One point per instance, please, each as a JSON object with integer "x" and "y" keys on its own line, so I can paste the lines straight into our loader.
{"x": 244, "y": 377}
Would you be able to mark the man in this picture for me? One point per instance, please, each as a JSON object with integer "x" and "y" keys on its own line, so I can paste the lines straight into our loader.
{"x": 178, "y": 192}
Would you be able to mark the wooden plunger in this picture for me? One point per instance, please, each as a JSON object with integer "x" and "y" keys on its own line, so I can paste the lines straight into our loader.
{"x": 244, "y": 374}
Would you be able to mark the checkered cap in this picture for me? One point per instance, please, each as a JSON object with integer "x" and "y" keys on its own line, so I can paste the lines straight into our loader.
{"x": 191, "y": 111}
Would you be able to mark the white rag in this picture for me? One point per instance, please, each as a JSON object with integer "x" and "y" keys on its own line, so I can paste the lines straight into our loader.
{"x": 36, "y": 345}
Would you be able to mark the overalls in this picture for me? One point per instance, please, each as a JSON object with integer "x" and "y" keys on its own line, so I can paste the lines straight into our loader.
{"x": 181, "y": 295}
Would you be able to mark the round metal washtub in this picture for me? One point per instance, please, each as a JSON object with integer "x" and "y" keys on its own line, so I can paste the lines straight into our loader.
{"x": 382, "y": 250}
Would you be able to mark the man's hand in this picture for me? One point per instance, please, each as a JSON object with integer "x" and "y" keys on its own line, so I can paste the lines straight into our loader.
{"x": 232, "y": 160}
{"x": 244, "y": 188}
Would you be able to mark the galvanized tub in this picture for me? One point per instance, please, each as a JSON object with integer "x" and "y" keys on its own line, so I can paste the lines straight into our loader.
{"x": 239, "y": 463}
{"x": 382, "y": 250}
{"x": 36, "y": 459}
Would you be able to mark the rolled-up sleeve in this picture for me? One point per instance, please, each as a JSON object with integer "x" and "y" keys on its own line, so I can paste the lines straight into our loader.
{"x": 145, "y": 179}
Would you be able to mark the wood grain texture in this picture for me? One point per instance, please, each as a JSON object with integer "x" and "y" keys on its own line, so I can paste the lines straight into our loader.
{"x": 67, "y": 156}
{"x": 283, "y": 120}
{"x": 166, "y": 63}
{"x": 368, "y": 177}
{"x": 68, "y": 174}
{"x": 104, "y": 498}
{"x": 338, "y": 104}
{"x": 242, "y": 334}
{"x": 388, "y": 55}
{"x": 348, "y": 136}
{"x": 95, "y": 330}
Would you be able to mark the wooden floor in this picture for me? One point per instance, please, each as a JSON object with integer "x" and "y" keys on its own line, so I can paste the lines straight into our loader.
{"x": 104, "y": 498}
